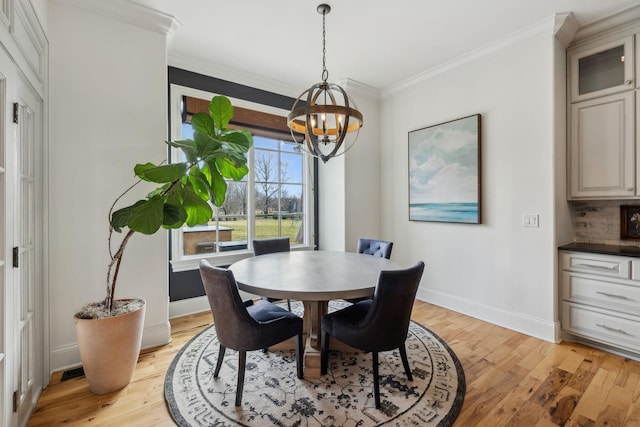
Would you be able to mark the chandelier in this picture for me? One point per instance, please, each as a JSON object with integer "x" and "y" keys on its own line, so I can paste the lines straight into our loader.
{"x": 324, "y": 113}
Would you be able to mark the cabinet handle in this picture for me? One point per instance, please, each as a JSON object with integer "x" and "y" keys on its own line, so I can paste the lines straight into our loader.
{"x": 628, "y": 82}
{"x": 612, "y": 295}
{"x": 598, "y": 267}
{"x": 628, "y": 189}
{"x": 608, "y": 328}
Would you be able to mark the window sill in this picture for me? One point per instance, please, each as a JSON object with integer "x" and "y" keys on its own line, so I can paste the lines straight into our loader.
{"x": 189, "y": 263}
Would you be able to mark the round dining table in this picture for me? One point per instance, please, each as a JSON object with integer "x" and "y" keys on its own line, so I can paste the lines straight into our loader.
{"x": 315, "y": 278}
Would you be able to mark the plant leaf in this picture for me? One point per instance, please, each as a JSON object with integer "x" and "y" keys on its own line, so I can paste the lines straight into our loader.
{"x": 200, "y": 183}
{"x": 229, "y": 169}
{"x": 147, "y": 217}
{"x": 120, "y": 218}
{"x": 221, "y": 111}
{"x": 206, "y": 145}
{"x": 218, "y": 185}
{"x": 174, "y": 216}
{"x": 198, "y": 210}
{"x": 188, "y": 147}
{"x": 202, "y": 122}
{"x": 239, "y": 138}
{"x": 160, "y": 174}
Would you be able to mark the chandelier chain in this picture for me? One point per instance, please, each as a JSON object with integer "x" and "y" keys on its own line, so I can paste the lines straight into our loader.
{"x": 325, "y": 72}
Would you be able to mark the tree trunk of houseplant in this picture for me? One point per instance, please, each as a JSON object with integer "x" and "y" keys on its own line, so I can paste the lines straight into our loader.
{"x": 109, "y": 349}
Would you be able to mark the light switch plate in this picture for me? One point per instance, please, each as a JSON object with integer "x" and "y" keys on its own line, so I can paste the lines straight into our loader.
{"x": 530, "y": 220}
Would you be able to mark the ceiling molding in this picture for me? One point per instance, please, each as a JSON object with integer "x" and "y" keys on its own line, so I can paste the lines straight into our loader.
{"x": 130, "y": 13}
{"x": 612, "y": 21}
{"x": 362, "y": 89}
{"x": 565, "y": 28}
{"x": 543, "y": 27}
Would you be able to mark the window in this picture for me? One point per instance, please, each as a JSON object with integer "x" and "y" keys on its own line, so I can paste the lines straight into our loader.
{"x": 273, "y": 200}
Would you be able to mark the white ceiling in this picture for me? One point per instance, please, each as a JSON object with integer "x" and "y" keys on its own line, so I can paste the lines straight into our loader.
{"x": 374, "y": 42}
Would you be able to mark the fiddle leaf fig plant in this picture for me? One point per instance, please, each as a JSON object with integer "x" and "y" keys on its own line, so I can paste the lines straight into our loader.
{"x": 186, "y": 190}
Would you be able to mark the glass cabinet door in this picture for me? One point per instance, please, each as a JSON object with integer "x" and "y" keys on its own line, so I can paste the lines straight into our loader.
{"x": 602, "y": 70}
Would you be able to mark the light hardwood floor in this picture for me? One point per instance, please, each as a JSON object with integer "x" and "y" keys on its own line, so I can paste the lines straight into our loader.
{"x": 512, "y": 380}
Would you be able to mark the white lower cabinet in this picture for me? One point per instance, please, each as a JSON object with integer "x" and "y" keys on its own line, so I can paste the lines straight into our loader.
{"x": 601, "y": 300}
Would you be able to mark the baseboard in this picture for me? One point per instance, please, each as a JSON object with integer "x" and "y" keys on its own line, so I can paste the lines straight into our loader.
{"x": 188, "y": 306}
{"x": 157, "y": 335}
{"x": 68, "y": 356}
{"x": 538, "y": 328}
{"x": 195, "y": 305}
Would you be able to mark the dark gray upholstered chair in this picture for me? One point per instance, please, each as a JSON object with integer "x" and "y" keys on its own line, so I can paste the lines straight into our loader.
{"x": 269, "y": 246}
{"x": 378, "y": 324}
{"x": 380, "y": 248}
{"x": 245, "y": 326}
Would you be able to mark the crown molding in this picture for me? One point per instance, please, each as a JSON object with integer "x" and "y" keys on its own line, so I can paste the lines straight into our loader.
{"x": 618, "y": 19}
{"x": 362, "y": 89}
{"x": 545, "y": 26}
{"x": 130, "y": 13}
{"x": 565, "y": 28}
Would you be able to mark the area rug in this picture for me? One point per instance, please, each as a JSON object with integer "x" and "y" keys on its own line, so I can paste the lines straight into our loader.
{"x": 273, "y": 395}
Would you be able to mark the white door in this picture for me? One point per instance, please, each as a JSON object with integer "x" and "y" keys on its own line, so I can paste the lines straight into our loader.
{"x": 5, "y": 262}
{"x": 22, "y": 346}
{"x": 27, "y": 253}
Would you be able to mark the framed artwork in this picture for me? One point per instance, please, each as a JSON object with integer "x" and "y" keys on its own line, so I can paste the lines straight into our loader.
{"x": 630, "y": 222}
{"x": 444, "y": 172}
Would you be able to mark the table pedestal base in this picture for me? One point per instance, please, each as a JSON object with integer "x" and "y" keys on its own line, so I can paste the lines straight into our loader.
{"x": 312, "y": 329}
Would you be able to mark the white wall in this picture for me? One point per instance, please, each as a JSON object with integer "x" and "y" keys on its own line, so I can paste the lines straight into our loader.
{"x": 349, "y": 185}
{"x": 108, "y": 111}
{"x": 497, "y": 271}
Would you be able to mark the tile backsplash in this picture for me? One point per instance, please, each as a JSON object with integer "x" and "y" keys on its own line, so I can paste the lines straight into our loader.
{"x": 598, "y": 221}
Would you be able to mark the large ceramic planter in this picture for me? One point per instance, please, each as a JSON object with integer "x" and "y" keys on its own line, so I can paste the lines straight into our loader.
{"x": 109, "y": 349}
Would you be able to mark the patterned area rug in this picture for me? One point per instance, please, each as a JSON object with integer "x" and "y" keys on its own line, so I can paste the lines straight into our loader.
{"x": 273, "y": 395}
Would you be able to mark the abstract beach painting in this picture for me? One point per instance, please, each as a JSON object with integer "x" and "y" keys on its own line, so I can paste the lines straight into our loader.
{"x": 444, "y": 172}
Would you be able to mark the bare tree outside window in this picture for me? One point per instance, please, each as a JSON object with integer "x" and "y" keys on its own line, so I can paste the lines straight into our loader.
{"x": 268, "y": 182}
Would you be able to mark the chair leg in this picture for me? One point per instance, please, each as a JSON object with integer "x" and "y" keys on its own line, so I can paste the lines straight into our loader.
{"x": 405, "y": 361}
{"x": 289, "y": 304}
{"x": 376, "y": 379}
{"x": 324, "y": 352}
{"x": 299, "y": 355}
{"x": 219, "y": 362}
{"x": 242, "y": 363}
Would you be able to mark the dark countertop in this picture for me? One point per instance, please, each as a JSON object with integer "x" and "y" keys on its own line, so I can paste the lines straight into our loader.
{"x": 633, "y": 251}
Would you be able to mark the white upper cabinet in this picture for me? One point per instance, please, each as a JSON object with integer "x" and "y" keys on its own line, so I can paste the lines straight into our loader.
{"x": 601, "y": 146}
{"x": 603, "y": 157}
{"x": 602, "y": 69}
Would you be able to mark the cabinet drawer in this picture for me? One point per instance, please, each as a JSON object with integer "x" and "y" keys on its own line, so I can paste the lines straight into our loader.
{"x": 607, "y": 294}
{"x": 602, "y": 265}
{"x": 635, "y": 270}
{"x": 601, "y": 325}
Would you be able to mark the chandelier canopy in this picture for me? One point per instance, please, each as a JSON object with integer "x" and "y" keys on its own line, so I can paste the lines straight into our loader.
{"x": 325, "y": 114}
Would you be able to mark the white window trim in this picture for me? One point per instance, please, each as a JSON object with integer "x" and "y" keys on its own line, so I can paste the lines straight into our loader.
{"x": 180, "y": 262}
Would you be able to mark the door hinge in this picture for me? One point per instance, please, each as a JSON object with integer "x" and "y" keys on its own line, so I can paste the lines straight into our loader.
{"x": 16, "y": 257}
{"x": 16, "y": 112}
{"x": 15, "y": 401}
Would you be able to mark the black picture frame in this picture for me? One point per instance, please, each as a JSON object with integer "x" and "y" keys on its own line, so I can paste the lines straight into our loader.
{"x": 630, "y": 222}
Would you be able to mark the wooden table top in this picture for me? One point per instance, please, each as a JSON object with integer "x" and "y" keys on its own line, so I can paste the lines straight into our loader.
{"x": 310, "y": 275}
